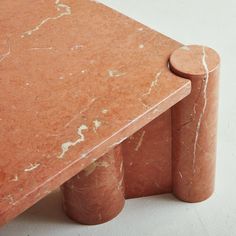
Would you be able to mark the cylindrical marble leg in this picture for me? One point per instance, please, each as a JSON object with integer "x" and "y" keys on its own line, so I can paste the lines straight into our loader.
{"x": 96, "y": 194}
{"x": 194, "y": 123}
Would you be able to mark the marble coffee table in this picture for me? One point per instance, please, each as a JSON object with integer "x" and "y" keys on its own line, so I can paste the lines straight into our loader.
{"x": 87, "y": 103}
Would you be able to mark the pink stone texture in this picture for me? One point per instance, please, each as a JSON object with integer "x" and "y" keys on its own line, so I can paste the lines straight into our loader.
{"x": 88, "y": 102}
{"x": 147, "y": 159}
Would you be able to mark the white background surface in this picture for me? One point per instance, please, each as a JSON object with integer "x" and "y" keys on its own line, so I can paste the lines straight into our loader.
{"x": 208, "y": 22}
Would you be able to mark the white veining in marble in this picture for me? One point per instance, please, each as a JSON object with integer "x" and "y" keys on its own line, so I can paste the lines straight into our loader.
{"x": 32, "y": 167}
{"x": 39, "y": 48}
{"x": 121, "y": 167}
{"x": 115, "y": 73}
{"x": 64, "y": 10}
{"x": 66, "y": 146}
{"x": 180, "y": 174}
{"x": 15, "y": 178}
{"x": 140, "y": 141}
{"x": 104, "y": 111}
{"x": 97, "y": 124}
{"x": 153, "y": 84}
{"x": 6, "y": 54}
{"x": 120, "y": 183}
{"x": 76, "y": 47}
{"x": 83, "y": 71}
{"x": 206, "y": 79}
{"x": 10, "y": 199}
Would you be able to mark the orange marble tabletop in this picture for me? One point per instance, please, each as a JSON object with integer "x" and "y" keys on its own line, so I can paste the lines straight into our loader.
{"x": 76, "y": 78}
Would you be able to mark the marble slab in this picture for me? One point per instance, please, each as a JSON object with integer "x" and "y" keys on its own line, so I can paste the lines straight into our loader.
{"x": 77, "y": 78}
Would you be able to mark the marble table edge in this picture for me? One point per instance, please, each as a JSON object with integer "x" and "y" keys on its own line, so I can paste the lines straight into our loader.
{"x": 13, "y": 210}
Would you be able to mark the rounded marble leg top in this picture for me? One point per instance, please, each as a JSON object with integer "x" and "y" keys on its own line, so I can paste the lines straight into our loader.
{"x": 194, "y": 123}
{"x": 96, "y": 194}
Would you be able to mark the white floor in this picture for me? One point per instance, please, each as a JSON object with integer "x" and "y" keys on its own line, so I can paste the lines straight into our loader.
{"x": 209, "y": 22}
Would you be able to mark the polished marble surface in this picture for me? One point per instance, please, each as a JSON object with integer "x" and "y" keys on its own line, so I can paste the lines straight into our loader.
{"x": 77, "y": 78}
